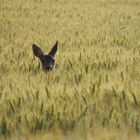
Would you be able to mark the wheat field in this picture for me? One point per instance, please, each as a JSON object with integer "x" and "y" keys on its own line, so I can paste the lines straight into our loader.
{"x": 94, "y": 90}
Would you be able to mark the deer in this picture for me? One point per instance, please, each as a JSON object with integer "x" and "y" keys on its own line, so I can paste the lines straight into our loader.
{"x": 47, "y": 60}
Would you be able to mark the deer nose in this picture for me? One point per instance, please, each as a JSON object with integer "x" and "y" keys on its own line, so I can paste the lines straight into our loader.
{"x": 49, "y": 67}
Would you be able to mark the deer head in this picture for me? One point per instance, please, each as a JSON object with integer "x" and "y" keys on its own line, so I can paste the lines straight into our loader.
{"x": 47, "y": 60}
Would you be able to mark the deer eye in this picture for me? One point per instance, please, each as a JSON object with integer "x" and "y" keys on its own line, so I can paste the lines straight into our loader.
{"x": 43, "y": 61}
{"x": 53, "y": 60}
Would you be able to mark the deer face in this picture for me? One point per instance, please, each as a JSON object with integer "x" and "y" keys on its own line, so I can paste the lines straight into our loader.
{"x": 47, "y": 60}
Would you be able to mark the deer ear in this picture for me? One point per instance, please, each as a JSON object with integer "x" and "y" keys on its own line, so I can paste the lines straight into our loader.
{"x": 38, "y": 52}
{"x": 54, "y": 49}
